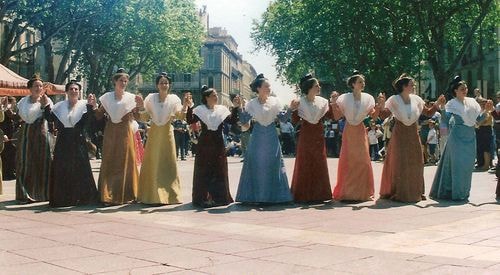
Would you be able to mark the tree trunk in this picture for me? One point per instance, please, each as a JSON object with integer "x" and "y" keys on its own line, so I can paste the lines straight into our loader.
{"x": 49, "y": 61}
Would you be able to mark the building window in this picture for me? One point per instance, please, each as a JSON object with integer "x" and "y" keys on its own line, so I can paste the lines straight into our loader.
{"x": 211, "y": 61}
{"x": 210, "y": 81}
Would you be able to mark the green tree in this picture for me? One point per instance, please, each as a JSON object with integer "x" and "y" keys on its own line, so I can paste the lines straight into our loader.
{"x": 50, "y": 17}
{"x": 93, "y": 37}
{"x": 141, "y": 36}
{"x": 381, "y": 38}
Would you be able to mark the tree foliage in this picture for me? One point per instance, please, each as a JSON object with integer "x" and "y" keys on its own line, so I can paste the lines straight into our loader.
{"x": 94, "y": 37}
{"x": 381, "y": 38}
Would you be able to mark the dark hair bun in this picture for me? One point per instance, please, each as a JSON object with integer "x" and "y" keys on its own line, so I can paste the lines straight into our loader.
{"x": 257, "y": 82}
{"x": 121, "y": 71}
{"x": 305, "y": 78}
{"x": 355, "y": 72}
{"x": 456, "y": 79}
{"x": 204, "y": 88}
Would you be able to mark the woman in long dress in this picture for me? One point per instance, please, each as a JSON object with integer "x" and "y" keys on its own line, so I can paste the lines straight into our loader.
{"x": 210, "y": 178}
{"x": 159, "y": 181}
{"x": 71, "y": 181}
{"x": 403, "y": 172}
{"x": 454, "y": 173}
{"x": 118, "y": 178}
{"x": 355, "y": 174}
{"x": 263, "y": 177}
{"x": 33, "y": 148}
{"x": 311, "y": 182}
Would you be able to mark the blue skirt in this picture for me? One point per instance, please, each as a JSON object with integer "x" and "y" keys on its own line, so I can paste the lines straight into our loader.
{"x": 454, "y": 174}
{"x": 263, "y": 177}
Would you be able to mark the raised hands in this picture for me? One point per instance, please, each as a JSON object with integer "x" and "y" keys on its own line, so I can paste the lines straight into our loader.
{"x": 333, "y": 97}
{"x": 294, "y": 105}
{"x": 139, "y": 101}
{"x": 44, "y": 100}
{"x": 441, "y": 101}
{"x": 238, "y": 102}
{"x": 380, "y": 101}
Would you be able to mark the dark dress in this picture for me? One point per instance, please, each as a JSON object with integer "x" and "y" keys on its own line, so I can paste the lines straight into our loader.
{"x": 71, "y": 181}
{"x": 9, "y": 127}
{"x": 311, "y": 181}
{"x": 210, "y": 179}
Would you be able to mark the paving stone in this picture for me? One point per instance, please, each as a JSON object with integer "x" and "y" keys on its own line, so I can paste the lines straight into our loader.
{"x": 57, "y": 252}
{"x": 183, "y": 257}
{"x": 255, "y": 266}
{"x": 104, "y": 263}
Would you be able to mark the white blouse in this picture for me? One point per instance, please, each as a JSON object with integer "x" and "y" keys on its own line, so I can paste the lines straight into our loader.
{"x": 212, "y": 117}
{"x": 469, "y": 110}
{"x": 266, "y": 113}
{"x": 162, "y": 112}
{"x": 312, "y": 112}
{"x": 406, "y": 113}
{"x": 69, "y": 118}
{"x": 116, "y": 109}
{"x": 30, "y": 112}
{"x": 355, "y": 111}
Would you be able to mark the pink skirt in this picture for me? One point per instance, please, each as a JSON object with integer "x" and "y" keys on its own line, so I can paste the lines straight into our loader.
{"x": 355, "y": 174}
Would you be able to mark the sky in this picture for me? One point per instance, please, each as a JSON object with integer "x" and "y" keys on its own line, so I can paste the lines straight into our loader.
{"x": 236, "y": 17}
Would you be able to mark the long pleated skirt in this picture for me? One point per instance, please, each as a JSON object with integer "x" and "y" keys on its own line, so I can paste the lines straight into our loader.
{"x": 118, "y": 178}
{"x": 454, "y": 173}
{"x": 159, "y": 179}
{"x": 354, "y": 174}
{"x": 263, "y": 177}
{"x": 311, "y": 181}
{"x": 33, "y": 162}
{"x": 403, "y": 172}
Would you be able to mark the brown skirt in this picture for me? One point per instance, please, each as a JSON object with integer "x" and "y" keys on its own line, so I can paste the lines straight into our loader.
{"x": 403, "y": 173}
{"x": 119, "y": 177}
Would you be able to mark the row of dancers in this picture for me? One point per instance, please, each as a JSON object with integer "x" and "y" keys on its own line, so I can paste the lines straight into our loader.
{"x": 65, "y": 177}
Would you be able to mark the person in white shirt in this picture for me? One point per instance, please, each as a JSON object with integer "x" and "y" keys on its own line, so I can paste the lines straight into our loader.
{"x": 373, "y": 136}
{"x": 432, "y": 141}
{"x": 286, "y": 131}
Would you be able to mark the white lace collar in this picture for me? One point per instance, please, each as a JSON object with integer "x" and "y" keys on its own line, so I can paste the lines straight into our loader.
{"x": 30, "y": 112}
{"x": 355, "y": 111}
{"x": 399, "y": 109}
{"x": 312, "y": 112}
{"x": 266, "y": 113}
{"x": 469, "y": 110}
{"x": 212, "y": 117}
{"x": 69, "y": 118}
{"x": 117, "y": 109}
{"x": 162, "y": 112}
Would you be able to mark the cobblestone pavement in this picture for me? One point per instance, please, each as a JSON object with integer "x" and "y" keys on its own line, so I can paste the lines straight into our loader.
{"x": 377, "y": 237}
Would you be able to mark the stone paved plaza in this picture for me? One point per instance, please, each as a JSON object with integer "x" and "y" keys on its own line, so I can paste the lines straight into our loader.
{"x": 378, "y": 237}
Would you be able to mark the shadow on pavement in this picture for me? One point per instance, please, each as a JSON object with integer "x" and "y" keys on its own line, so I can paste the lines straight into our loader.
{"x": 39, "y": 207}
